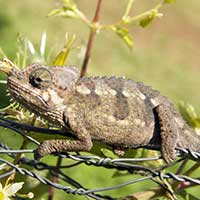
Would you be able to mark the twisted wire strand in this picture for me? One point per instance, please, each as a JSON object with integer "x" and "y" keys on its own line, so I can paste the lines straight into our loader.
{"x": 82, "y": 191}
{"x": 18, "y": 127}
{"x": 7, "y": 125}
{"x": 98, "y": 161}
{"x": 119, "y": 163}
{"x": 52, "y": 169}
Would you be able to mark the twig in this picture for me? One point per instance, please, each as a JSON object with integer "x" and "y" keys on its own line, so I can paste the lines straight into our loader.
{"x": 183, "y": 164}
{"x": 27, "y": 127}
{"x": 54, "y": 179}
{"x": 91, "y": 39}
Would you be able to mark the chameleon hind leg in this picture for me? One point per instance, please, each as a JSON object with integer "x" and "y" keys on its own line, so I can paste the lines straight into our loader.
{"x": 168, "y": 132}
{"x": 82, "y": 143}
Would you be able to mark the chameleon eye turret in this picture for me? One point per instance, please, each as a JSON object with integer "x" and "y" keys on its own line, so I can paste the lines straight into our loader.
{"x": 40, "y": 78}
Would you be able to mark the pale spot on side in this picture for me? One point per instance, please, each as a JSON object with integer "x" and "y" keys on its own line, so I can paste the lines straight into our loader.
{"x": 100, "y": 91}
{"x": 55, "y": 98}
{"x": 141, "y": 95}
{"x": 155, "y": 102}
{"x": 111, "y": 118}
{"x": 127, "y": 93}
{"x": 119, "y": 122}
{"x": 137, "y": 121}
{"x": 180, "y": 122}
{"x": 69, "y": 110}
{"x": 112, "y": 92}
{"x": 142, "y": 124}
{"x": 123, "y": 122}
{"x": 83, "y": 89}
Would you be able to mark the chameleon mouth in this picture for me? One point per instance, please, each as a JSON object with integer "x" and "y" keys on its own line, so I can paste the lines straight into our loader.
{"x": 23, "y": 94}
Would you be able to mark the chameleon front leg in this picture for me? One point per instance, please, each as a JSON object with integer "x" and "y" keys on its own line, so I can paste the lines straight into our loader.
{"x": 83, "y": 143}
{"x": 168, "y": 132}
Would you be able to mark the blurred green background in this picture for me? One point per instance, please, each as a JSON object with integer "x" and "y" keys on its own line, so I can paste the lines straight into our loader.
{"x": 165, "y": 55}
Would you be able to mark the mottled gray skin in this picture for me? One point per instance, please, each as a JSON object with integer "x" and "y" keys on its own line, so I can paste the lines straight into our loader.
{"x": 115, "y": 111}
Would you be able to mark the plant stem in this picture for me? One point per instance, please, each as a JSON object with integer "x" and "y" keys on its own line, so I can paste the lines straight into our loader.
{"x": 192, "y": 169}
{"x": 128, "y": 8}
{"x": 91, "y": 39}
{"x": 180, "y": 169}
{"x": 23, "y": 146}
{"x": 54, "y": 179}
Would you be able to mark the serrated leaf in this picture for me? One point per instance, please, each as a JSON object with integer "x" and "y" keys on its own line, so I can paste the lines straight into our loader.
{"x": 124, "y": 34}
{"x": 61, "y": 58}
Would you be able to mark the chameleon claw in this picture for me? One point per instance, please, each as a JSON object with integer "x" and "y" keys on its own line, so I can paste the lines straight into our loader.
{"x": 41, "y": 151}
{"x": 37, "y": 155}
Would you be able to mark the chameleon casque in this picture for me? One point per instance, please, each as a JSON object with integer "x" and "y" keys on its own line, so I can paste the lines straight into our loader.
{"x": 118, "y": 112}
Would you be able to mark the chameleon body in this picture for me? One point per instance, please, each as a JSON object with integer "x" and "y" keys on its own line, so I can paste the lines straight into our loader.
{"x": 115, "y": 111}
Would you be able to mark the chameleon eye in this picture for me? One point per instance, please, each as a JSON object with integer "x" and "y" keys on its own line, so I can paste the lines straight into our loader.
{"x": 40, "y": 78}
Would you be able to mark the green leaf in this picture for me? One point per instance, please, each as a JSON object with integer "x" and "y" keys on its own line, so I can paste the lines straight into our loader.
{"x": 149, "y": 18}
{"x": 108, "y": 153}
{"x": 189, "y": 114}
{"x": 124, "y": 34}
{"x": 183, "y": 195}
{"x": 63, "y": 12}
{"x": 61, "y": 58}
{"x": 69, "y": 4}
{"x": 169, "y": 1}
{"x": 55, "y": 12}
{"x": 2, "y": 53}
{"x": 118, "y": 173}
{"x": 68, "y": 10}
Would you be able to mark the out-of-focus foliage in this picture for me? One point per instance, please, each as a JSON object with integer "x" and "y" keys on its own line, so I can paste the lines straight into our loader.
{"x": 70, "y": 10}
{"x": 61, "y": 58}
{"x": 190, "y": 115}
{"x": 159, "y": 58}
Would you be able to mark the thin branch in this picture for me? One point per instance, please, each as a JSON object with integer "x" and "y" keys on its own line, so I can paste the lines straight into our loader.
{"x": 91, "y": 39}
{"x": 54, "y": 179}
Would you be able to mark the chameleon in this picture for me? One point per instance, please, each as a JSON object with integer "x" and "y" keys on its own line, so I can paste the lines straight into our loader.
{"x": 115, "y": 111}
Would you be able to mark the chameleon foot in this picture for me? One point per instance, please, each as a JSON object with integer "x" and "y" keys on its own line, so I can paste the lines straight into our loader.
{"x": 52, "y": 146}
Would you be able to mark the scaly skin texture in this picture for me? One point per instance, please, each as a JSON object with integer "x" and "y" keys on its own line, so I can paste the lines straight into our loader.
{"x": 115, "y": 111}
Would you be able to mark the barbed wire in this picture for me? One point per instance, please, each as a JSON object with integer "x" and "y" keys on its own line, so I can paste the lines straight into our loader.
{"x": 121, "y": 164}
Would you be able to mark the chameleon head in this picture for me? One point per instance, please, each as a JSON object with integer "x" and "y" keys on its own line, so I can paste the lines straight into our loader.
{"x": 41, "y": 89}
